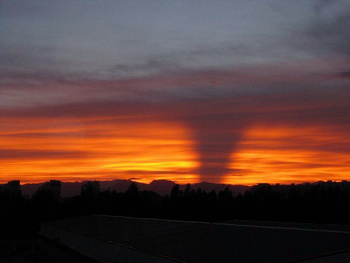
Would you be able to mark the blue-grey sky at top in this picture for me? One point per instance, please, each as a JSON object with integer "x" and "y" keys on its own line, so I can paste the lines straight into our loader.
{"x": 112, "y": 39}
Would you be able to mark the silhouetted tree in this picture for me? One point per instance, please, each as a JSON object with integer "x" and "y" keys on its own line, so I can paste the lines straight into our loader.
{"x": 133, "y": 190}
{"x": 90, "y": 189}
{"x": 175, "y": 192}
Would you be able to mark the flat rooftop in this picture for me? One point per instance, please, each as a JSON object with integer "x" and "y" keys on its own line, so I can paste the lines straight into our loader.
{"x": 107, "y": 238}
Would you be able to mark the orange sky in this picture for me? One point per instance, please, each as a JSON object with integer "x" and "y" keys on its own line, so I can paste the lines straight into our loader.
{"x": 290, "y": 155}
{"x": 71, "y": 149}
{"x": 105, "y": 148}
{"x": 287, "y": 133}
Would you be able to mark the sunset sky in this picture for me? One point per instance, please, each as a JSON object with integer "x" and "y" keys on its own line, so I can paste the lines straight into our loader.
{"x": 234, "y": 91}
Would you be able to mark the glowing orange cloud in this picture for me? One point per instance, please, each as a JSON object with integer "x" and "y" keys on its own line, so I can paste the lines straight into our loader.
{"x": 71, "y": 149}
{"x": 290, "y": 155}
{"x": 249, "y": 125}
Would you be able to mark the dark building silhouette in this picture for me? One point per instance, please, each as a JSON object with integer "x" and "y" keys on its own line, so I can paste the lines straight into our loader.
{"x": 12, "y": 187}
{"x": 53, "y": 187}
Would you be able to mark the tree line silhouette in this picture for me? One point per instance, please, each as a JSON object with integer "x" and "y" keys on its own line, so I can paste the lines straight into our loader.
{"x": 321, "y": 202}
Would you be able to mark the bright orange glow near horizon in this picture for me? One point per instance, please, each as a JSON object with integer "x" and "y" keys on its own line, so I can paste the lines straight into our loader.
{"x": 74, "y": 149}
{"x": 289, "y": 155}
{"x": 70, "y": 149}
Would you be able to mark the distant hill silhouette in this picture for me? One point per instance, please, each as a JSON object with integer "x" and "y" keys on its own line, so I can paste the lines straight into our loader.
{"x": 208, "y": 187}
{"x": 30, "y": 189}
{"x": 162, "y": 187}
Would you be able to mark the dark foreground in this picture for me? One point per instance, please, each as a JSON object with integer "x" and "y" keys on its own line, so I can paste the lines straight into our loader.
{"x": 124, "y": 239}
{"x": 176, "y": 235}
